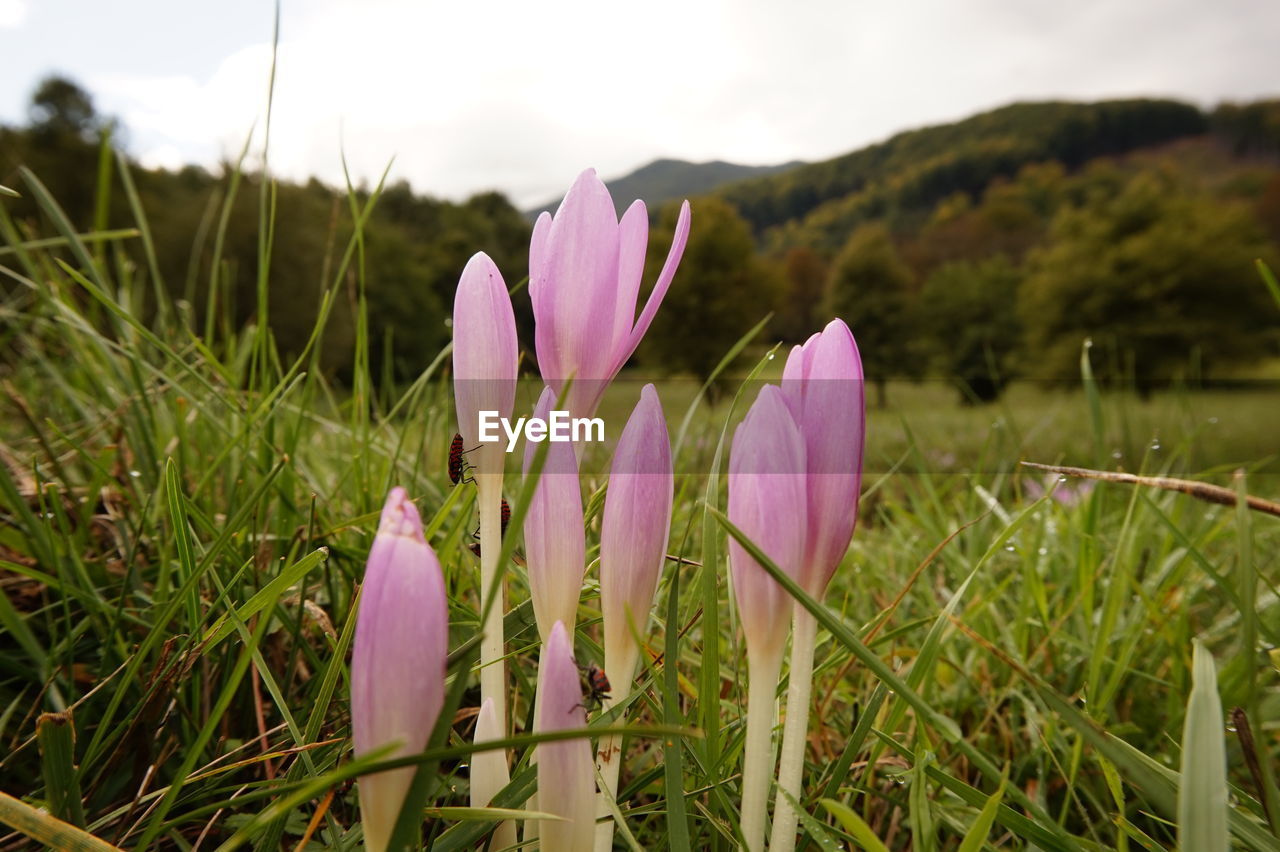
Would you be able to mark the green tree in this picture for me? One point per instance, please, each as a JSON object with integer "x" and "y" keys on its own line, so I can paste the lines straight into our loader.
{"x": 968, "y": 313}
{"x": 1154, "y": 275}
{"x": 872, "y": 289}
{"x": 722, "y": 289}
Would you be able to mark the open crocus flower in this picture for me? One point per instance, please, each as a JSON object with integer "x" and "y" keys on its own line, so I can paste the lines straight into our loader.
{"x": 823, "y": 387}
{"x": 767, "y": 502}
{"x": 566, "y": 785}
{"x": 398, "y": 663}
{"x": 633, "y": 546}
{"x": 554, "y": 537}
{"x": 584, "y": 281}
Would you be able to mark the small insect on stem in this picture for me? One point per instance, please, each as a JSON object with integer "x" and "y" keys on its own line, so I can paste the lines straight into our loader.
{"x": 459, "y": 468}
{"x": 595, "y": 686}
{"x": 505, "y": 514}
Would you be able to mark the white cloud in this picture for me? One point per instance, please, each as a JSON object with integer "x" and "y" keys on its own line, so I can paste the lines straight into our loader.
{"x": 522, "y": 96}
{"x": 12, "y": 14}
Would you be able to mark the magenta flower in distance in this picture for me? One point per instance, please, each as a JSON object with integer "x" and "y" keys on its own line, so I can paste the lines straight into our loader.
{"x": 566, "y": 785}
{"x": 554, "y": 536}
{"x": 584, "y": 281}
{"x": 398, "y": 662}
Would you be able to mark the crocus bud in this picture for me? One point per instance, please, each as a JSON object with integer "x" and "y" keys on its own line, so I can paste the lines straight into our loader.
{"x": 584, "y": 280}
{"x": 398, "y": 663}
{"x": 823, "y": 387}
{"x": 554, "y": 537}
{"x": 485, "y": 354}
{"x": 767, "y": 501}
{"x": 566, "y": 785}
{"x": 633, "y": 535}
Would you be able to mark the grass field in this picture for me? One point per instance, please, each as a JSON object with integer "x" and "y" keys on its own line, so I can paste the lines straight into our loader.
{"x": 1003, "y": 662}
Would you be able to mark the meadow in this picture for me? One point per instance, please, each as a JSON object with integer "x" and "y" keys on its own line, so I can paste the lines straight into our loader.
{"x": 1003, "y": 660}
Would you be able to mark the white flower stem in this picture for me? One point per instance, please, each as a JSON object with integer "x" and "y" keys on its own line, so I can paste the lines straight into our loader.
{"x": 757, "y": 761}
{"x": 493, "y": 670}
{"x": 794, "y": 732}
{"x": 609, "y": 752}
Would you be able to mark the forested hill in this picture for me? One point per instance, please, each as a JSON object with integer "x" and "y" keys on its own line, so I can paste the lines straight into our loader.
{"x": 667, "y": 179}
{"x": 912, "y": 171}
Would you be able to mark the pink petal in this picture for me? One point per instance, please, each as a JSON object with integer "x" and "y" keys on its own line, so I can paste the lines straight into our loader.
{"x": 633, "y": 242}
{"x": 659, "y": 289}
{"x": 580, "y": 288}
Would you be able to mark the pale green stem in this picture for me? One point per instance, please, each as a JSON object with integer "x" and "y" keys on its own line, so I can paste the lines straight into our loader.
{"x": 493, "y": 670}
{"x": 794, "y": 732}
{"x": 609, "y": 753}
{"x": 757, "y": 761}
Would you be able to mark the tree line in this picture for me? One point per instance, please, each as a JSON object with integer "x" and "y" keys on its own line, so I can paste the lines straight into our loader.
{"x": 982, "y": 251}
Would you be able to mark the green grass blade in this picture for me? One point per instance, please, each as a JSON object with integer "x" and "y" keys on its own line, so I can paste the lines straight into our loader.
{"x": 1203, "y": 793}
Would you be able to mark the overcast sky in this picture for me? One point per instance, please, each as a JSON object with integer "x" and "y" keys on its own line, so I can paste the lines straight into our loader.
{"x": 520, "y": 96}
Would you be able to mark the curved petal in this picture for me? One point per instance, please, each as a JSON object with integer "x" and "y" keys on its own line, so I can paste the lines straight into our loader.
{"x": 580, "y": 287}
{"x": 659, "y": 289}
{"x": 633, "y": 242}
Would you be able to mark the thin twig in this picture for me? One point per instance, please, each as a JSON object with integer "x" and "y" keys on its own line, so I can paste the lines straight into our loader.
{"x": 1200, "y": 490}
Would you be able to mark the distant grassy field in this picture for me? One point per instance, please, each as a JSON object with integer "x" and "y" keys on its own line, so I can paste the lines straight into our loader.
{"x": 183, "y": 522}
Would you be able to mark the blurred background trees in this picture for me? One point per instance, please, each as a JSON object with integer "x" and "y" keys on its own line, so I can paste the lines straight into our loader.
{"x": 974, "y": 252}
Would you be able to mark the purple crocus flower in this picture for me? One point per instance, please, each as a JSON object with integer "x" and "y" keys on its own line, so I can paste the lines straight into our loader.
{"x": 566, "y": 786}
{"x": 823, "y": 387}
{"x": 767, "y": 501}
{"x": 398, "y": 663}
{"x": 633, "y": 546}
{"x": 554, "y": 537}
{"x": 633, "y": 534}
{"x": 485, "y": 356}
{"x": 584, "y": 281}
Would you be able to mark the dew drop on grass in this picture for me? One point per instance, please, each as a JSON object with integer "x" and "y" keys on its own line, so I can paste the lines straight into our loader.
{"x": 135, "y": 473}
{"x": 1062, "y": 478}
{"x": 1044, "y": 551}
{"x": 770, "y": 356}
{"x": 1155, "y": 443}
{"x": 1009, "y": 547}
{"x": 1117, "y": 455}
